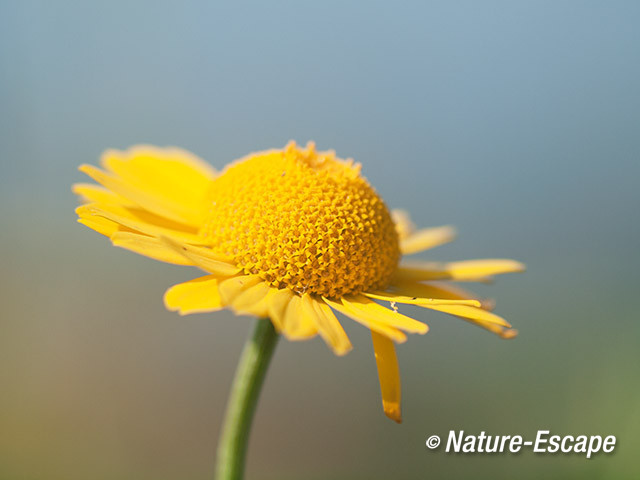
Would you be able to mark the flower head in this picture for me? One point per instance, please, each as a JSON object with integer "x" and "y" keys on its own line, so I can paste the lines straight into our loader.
{"x": 302, "y": 220}
{"x": 292, "y": 235}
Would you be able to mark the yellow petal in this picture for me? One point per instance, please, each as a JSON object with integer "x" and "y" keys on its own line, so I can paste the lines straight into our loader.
{"x": 278, "y": 302}
{"x": 469, "y": 270}
{"x": 101, "y": 225}
{"x": 404, "y": 225}
{"x": 91, "y": 193}
{"x": 484, "y": 268}
{"x": 299, "y": 321}
{"x": 388, "y": 374}
{"x": 152, "y": 201}
{"x": 508, "y": 333}
{"x": 486, "y": 320}
{"x": 175, "y": 178}
{"x": 195, "y": 296}
{"x": 372, "y": 310}
{"x": 149, "y": 247}
{"x": 254, "y": 300}
{"x": 421, "y": 301}
{"x": 368, "y": 321}
{"x": 426, "y": 239}
{"x": 438, "y": 290}
{"x": 328, "y": 326}
{"x": 203, "y": 258}
{"x": 505, "y": 333}
{"x": 231, "y": 288}
{"x": 472, "y": 314}
{"x": 140, "y": 220}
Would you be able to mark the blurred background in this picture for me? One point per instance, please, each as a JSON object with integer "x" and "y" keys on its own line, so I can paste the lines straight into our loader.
{"x": 518, "y": 122}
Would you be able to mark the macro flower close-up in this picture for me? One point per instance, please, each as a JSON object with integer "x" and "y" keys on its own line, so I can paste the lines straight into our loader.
{"x": 293, "y": 235}
{"x": 355, "y": 240}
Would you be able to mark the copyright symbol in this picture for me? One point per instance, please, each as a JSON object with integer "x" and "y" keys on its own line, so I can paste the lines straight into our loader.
{"x": 433, "y": 442}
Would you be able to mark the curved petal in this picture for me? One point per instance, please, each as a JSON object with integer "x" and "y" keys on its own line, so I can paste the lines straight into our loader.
{"x": 368, "y": 321}
{"x": 426, "y": 239}
{"x": 473, "y": 314}
{"x": 176, "y": 209}
{"x": 438, "y": 290}
{"x": 195, "y": 296}
{"x": 91, "y": 193}
{"x": 404, "y": 225}
{"x": 505, "y": 333}
{"x": 253, "y": 300}
{"x": 175, "y": 179}
{"x": 278, "y": 302}
{"x": 231, "y": 288}
{"x": 478, "y": 316}
{"x": 149, "y": 247}
{"x": 469, "y": 270}
{"x": 101, "y": 225}
{"x": 299, "y": 323}
{"x": 139, "y": 220}
{"x": 420, "y": 301}
{"x": 388, "y": 374}
{"x": 369, "y": 308}
{"x": 203, "y": 258}
{"x": 329, "y": 328}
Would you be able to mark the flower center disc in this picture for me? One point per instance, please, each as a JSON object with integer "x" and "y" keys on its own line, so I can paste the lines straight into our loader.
{"x": 302, "y": 220}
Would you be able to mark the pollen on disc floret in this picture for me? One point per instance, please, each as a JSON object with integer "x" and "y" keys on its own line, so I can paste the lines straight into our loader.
{"x": 302, "y": 220}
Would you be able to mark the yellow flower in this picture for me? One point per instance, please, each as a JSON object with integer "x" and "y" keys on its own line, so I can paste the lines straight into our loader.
{"x": 291, "y": 235}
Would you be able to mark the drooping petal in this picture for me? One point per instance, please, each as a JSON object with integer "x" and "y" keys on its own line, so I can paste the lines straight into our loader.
{"x": 421, "y": 301}
{"x": 472, "y": 314}
{"x": 195, "y": 296}
{"x": 91, "y": 193}
{"x": 231, "y": 288}
{"x": 327, "y": 324}
{"x": 165, "y": 203}
{"x": 469, "y": 270}
{"x": 203, "y": 257}
{"x": 403, "y": 223}
{"x": 299, "y": 323}
{"x": 371, "y": 322}
{"x": 253, "y": 300}
{"x": 478, "y": 316}
{"x": 369, "y": 308}
{"x": 388, "y": 374}
{"x": 178, "y": 180}
{"x": 426, "y": 239}
{"x": 277, "y": 306}
{"x": 140, "y": 220}
{"x": 443, "y": 290}
{"x": 101, "y": 225}
{"x": 502, "y": 332}
{"x": 149, "y": 247}
{"x": 160, "y": 168}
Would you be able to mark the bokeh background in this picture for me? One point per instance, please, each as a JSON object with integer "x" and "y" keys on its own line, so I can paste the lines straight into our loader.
{"x": 516, "y": 121}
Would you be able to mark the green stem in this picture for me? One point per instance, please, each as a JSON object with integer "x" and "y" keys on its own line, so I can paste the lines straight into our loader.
{"x": 243, "y": 399}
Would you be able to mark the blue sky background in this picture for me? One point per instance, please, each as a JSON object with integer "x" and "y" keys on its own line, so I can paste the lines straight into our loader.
{"x": 518, "y": 122}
